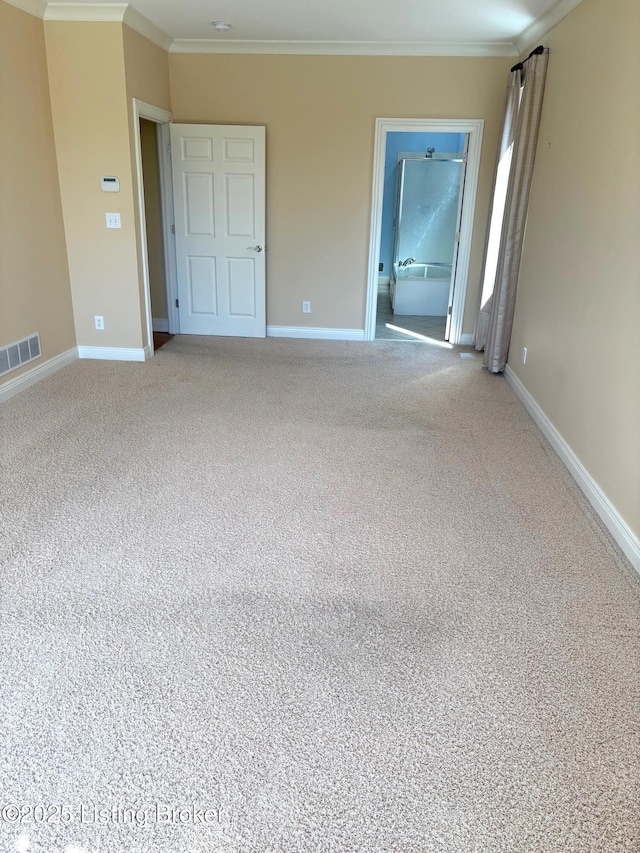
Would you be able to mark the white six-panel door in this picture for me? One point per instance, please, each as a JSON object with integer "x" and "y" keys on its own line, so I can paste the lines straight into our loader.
{"x": 219, "y": 204}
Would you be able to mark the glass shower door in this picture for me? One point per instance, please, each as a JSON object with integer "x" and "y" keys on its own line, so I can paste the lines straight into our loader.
{"x": 427, "y": 210}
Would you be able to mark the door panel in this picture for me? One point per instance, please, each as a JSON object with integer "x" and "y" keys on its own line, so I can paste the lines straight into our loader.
{"x": 240, "y": 215}
{"x": 203, "y": 287}
{"x": 242, "y": 287}
{"x": 219, "y": 197}
{"x": 198, "y": 205}
{"x": 196, "y": 149}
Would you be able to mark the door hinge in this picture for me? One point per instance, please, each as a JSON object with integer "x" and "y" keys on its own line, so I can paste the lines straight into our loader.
{"x": 457, "y": 236}
{"x": 450, "y": 311}
{"x": 169, "y": 149}
{"x": 173, "y": 229}
{"x": 177, "y": 303}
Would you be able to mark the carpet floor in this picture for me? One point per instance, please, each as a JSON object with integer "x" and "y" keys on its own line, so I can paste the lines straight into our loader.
{"x": 286, "y": 595}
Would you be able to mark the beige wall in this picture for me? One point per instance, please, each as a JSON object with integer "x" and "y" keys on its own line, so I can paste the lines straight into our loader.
{"x": 319, "y": 112}
{"x": 91, "y": 122}
{"x": 153, "y": 218}
{"x": 34, "y": 277}
{"x": 147, "y": 70}
{"x": 95, "y": 69}
{"x": 578, "y": 303}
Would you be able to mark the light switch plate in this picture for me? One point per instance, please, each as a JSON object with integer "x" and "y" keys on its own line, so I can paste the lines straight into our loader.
{"x": 113, "y": 220}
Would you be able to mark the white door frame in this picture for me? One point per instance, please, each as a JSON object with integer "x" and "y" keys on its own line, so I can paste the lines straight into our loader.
{"x": 168, "y": 225}
{"x": 474, "y": 127}
{"x": 162, "y": 118}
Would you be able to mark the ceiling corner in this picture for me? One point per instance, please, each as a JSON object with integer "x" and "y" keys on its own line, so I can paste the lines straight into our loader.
{"x": 134, "y": 19}
{"x": 544, "y": 24}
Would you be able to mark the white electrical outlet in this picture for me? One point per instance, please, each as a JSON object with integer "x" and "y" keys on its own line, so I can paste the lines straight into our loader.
{"x": 306, "y": 307}
{"x": 524, "y": 355}
{"x": 113, "y": 220}
{"x": 99, "y": 323}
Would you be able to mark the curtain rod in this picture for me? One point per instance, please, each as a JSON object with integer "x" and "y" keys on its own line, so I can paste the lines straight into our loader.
{"x": 536, "y": 52}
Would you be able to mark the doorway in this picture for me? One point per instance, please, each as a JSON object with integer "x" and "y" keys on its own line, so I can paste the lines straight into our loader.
{"x": 423, "y": 188}
{"x": 215, "y": 177}
{"x": 424, "y": 185}
{"x": 157, "y": 252}
{"x": 150, "y": 153}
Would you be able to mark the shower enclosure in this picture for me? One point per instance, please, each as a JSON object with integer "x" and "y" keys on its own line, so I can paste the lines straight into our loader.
{"x": 426, "y": 221}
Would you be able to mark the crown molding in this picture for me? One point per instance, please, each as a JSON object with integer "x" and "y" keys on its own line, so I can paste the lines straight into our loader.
{"x": 544, "y": 24}
{"x": 129, "y": 15}
{"x": 37, "y": 8}
{"x": 146, "y": 28}
{"x": 346, "y": 48}
{"x": 102, "y": 12}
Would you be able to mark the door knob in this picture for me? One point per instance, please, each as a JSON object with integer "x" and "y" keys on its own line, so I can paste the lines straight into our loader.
{"x": 255, "y": 248}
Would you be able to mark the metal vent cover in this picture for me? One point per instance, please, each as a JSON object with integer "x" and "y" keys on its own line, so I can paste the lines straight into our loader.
{"x": 19, "y": 352}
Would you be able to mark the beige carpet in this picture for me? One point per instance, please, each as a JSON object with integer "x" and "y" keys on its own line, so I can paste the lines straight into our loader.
{"x": 342, "y": 595}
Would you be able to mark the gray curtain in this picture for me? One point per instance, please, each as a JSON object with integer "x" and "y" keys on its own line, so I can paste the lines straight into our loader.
{"x": 495, "y": 319}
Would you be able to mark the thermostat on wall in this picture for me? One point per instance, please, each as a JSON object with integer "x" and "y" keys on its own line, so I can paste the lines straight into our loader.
{"x": 110, "y": 185}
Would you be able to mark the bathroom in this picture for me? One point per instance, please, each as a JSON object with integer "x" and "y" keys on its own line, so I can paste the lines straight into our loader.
{"x": 423, "y": 183}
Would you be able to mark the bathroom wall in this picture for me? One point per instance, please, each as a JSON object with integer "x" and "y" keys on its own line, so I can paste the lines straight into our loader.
{"x": 444, "y": 143}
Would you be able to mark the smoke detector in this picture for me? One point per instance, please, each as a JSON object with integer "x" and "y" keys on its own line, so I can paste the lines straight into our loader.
{"x": 221, "y": 26}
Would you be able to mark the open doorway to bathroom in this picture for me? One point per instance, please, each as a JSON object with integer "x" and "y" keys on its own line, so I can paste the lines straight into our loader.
{"x": 425, "y": 176}
{"x": 423, "y": 186}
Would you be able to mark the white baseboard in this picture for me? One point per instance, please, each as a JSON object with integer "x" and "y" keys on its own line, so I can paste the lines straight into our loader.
{"x": 383, "y": 279}
{"x": 613, "y": 521}
{"x": 41, "y": 371}
{"x": 160, "y": 324}
{"x": 318, "y": 334}
{"x": 113, "y": 353}
{"x": 466, "y": 340}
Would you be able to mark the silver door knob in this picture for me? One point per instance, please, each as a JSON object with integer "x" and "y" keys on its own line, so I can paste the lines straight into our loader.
{"x": 255, "y": 248}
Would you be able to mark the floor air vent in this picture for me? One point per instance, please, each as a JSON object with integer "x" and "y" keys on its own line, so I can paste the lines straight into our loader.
{"x": 15, "y": 355}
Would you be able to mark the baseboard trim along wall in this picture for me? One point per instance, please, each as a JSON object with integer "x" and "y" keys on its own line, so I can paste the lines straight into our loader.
{"x": 318, "y": 334}
{"x": 47, "y": 368}
{"x": 41, "y": 371}
{"x": 160, "y": 324}
{"x": 113, "y": 353}
{"x": 613, "y": 521}
{"x": 466, "y": 340}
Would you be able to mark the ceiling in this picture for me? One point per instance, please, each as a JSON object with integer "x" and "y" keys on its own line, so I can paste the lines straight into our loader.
{"x": 418, "y": 27}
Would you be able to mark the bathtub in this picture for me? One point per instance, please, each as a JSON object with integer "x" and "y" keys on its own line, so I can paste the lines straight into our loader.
{"x": 421, "y": 289}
